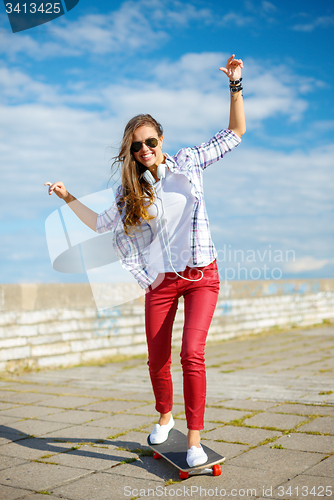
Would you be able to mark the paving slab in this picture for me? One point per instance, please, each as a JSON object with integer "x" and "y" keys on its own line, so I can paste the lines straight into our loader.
{"x": 91, "y": 458}
{"x": 181, "y": 425}
{"x": 70, "y": 396}
{"x": 104, "y": 486}
{"x": 131, "y": 441}
{"x": 6, "y": 421}
{"x": 123, "y": 421}
{"x": 30, "y": 411}
{"x": 33, "y": 448}
{"x": 294, "y": 462}
{"x": 235, "y": 482}
{"x": 12, "y": 493}
{"x": 146, "y": 468}
{"x": 244, "y": 404}
{"x": 304, "y": 486}
{"x": 74, "y": 416}
{"x": 223, "y": 415}
{"x": 276, "y": 420}
{"x": 40, "y": 476}
{"x": 24, "y": 397}
{"x": 9, "y": 437}
{"x": 227, "y": 450}
{"x": 151, "y": 411}
{"x": 324, "y": 468}
{"x": 5, "y": 406}
{"x": 8, "y": 462}
{"x": 112, "y": 406}
{"x": 34, "y": 427}
{"x": 238, "y": 434}
{"x": 299, "y": 409}
{"x": 68, "y": 402}
{"x": 306, "y": 442}
{"x": 83, "y": 433}
{"x": 324, "y": 425}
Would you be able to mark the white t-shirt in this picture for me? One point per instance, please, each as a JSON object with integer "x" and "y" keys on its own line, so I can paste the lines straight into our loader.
{"x": 172, "y": 211}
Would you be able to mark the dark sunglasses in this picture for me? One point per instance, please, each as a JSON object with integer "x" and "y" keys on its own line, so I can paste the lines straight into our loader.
{"x": 152, "y": 142}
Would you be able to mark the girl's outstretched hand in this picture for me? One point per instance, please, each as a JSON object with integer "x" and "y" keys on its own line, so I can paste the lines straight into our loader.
{"x": 233, "y": 68}
{"x": 58, "y": 188}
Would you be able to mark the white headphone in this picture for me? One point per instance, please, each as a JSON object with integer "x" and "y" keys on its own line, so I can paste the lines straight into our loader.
{"x": 161, "y": 174}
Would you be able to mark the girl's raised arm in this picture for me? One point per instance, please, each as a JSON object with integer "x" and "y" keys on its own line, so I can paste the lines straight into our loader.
{"x": 85, "y": 214}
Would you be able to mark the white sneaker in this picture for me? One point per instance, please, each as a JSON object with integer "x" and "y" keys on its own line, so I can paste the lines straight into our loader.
{"x": 160, "y": 432}
{"x": 196, "y": 456}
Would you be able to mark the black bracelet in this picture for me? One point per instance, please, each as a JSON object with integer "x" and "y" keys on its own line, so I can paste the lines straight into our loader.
{"x": 236, "y": 89}
{"x": 235, "y": 82}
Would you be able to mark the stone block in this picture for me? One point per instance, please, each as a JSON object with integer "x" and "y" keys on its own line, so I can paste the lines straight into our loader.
{"x": 92, "y": 457}
{"x": 276, "y": 420}
{"x": 132, "y": 440}
{"x": 122, "y": 421}
{"x": 13, "y": 342}
{"x": 300, "y": 409}
{"x": 34, "y": 427}
{"x": 58, "y": 361}
{"x": 98, "y": 354}
{"x": 304, "y": 486}
{"x": 9, "y": 493}
{"x": 246, "y": 404}
{"x": 68, "y": 402}
{"x": 243, "y": 435}
{"x": 222, "y": 415}
{"x": 74, "y": 417}
{"x": 30, "y": 411}
{"x": 235, "y": 482}
{"x": 291, "y": 461}
{"x": 50, "y": 349}
{"x": 33, "y": 448}
{"x": 324, "y": 468}
{"x": 325, "y": 425}
{"x": 15, "y": 353}
{"x": 102, "y": 485}
{"x": 40, "y": 477}
{"x": 24, "y": 397}
{"x": 306, "y": 442}
{"x": 85, "y": 433}
{"x": 9, "y": 462}
{"x": 111, "y": 406}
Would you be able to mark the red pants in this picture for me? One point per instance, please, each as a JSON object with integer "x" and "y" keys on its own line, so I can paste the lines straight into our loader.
{"x": 200, "y": 298}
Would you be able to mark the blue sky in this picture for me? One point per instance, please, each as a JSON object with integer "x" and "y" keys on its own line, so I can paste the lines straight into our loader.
{"x": 68, "y": 87}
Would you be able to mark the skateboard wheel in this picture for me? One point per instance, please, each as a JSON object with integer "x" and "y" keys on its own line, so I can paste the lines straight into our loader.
{"x": 183, "y": 474}
{"x": 156, "y": 455}
{"x": 217, "y": 470}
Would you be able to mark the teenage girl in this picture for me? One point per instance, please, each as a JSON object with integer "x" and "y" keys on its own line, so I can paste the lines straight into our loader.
{"x": 162, "y": 236}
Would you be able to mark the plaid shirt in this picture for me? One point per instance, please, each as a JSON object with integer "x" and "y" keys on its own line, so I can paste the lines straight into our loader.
{"x": 190, "y": 162}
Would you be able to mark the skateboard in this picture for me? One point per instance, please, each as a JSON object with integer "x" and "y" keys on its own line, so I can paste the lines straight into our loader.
{"x": 175, "y": 451}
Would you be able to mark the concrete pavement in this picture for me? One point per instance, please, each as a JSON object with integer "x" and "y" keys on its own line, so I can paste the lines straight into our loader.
{"x": 80, "y": 433}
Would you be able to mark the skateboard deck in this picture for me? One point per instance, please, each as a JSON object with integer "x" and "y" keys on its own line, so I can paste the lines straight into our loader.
{"x": 175, "y": 451}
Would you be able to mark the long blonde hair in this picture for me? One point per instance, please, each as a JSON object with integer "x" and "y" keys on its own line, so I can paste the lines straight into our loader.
{"x": 137, "y": 194}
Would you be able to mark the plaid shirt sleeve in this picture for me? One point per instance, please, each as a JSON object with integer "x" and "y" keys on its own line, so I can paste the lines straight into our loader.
{"x": 213, "y": 150}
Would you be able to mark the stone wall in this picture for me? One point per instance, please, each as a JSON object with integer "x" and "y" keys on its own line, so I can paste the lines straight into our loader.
{"x": 48, "y": 325}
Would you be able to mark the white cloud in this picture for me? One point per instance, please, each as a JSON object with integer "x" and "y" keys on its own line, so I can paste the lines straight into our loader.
{"x": 307, "y": 263}
{"x": 136, "y": 25}
{"x": 319, "y": 22}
